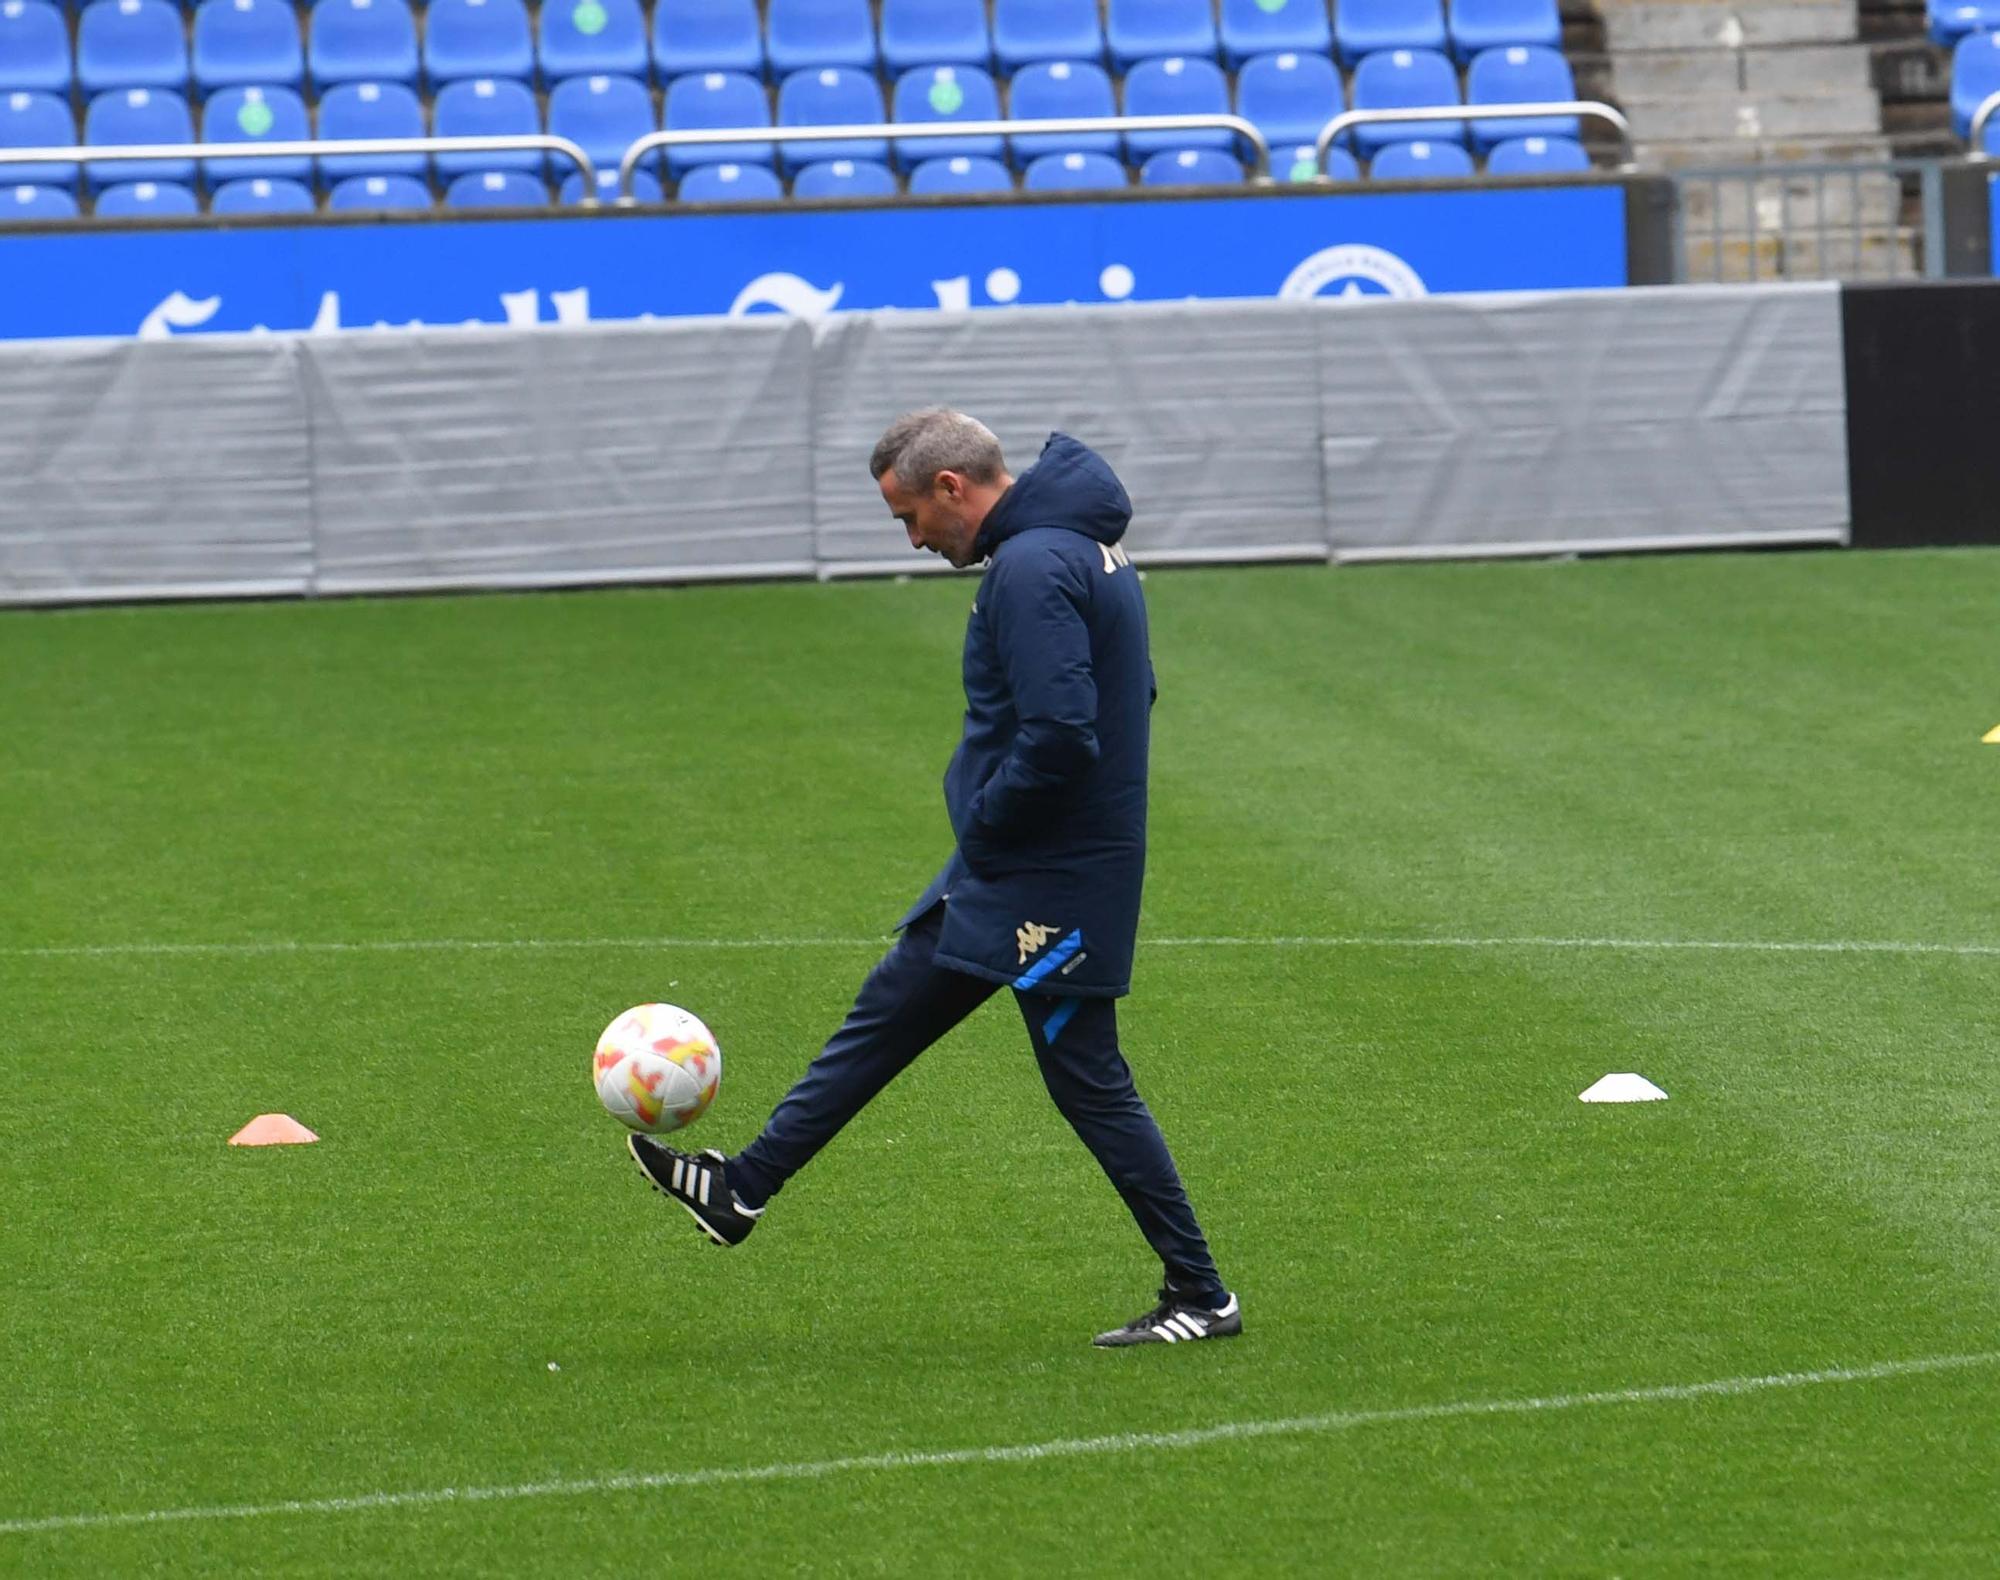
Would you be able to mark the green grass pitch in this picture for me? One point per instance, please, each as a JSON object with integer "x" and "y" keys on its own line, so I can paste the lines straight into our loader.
{"x": 1443, "y": 822}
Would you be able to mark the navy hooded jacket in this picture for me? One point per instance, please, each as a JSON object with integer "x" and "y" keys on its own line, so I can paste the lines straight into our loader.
{"x": 1047, "y": 790}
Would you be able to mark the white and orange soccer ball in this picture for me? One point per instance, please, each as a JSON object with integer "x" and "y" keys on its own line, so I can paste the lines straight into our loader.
{"x": 657, "y": 1068}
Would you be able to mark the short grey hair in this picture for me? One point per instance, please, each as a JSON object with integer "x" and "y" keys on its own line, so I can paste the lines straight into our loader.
{"x": 920, "y": 444}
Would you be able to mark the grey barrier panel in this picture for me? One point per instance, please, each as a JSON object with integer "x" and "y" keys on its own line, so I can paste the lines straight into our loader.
{"x": 1674, "y": 417}
{"x": 545, "y": 457}
{"x": 698, "y": 448}
{"x": 137, "y": 469}
{"x": 1209, "y": 415}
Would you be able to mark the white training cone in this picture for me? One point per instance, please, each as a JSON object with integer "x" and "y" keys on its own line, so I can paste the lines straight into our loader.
{"x": 1622, "y": 1089}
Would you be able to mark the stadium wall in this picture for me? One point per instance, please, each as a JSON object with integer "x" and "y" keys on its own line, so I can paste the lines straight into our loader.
{"x": 681, "y": 450}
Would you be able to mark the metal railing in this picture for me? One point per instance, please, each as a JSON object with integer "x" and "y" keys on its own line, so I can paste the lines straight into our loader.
{"x": 1988, "y": 108}
{"x": 1748, "y": 224}
{"x": 312, "y": 148}
{"x": 886, "y": 131}
{"x": 899, "y": 131}
{"x": 1585, "y": 109}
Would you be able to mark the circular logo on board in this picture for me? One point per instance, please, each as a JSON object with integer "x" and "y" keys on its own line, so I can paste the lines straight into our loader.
{"x": 1352, "y": 270}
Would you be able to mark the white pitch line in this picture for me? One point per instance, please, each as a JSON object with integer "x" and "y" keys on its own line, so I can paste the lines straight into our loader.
{"x": 1828, "y": 946}
{"x": 1003, "y": 1454}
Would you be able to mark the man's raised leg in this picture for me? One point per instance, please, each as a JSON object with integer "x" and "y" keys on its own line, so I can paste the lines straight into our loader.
{"x": 907, "y": 1003}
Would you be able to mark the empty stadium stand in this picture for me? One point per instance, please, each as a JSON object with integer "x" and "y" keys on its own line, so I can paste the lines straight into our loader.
{"x": 1819, "y": 93}
{"x": 605, "y": 72}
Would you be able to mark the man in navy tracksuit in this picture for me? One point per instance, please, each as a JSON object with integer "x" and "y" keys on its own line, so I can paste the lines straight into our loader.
{"x": 1047, "y": 796}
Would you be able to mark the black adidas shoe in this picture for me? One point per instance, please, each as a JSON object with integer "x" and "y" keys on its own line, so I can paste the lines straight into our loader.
{"x": 1174, "y": 1320}
{"x": 697, "y": 1182}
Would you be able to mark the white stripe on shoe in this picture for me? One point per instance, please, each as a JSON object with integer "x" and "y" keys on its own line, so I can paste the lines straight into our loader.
{"x": 705, "y": 1173}
{"x": 679, "y": 1166}
{"x": 1166, "y": 1333}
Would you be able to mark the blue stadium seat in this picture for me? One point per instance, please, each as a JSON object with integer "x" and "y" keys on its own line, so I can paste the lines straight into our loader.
{"x": 593, "y": 38}
{"x": 261, "y": 195}
{"x": 1364, "y": 27}
{"x": 1399, "y": 79}
{"x": 1975, "y": 76}
{"x": 803, "y": 33}
{"x": 1190, "y": 167}
{"x": 946, "y": 93}
{"x": 645, "y": 187}
{"x": 1140, "y": 29}
{"x": 707, "y": 35}
{"x": 130, "y": 44}
{"x": 1422, "y": 161}
{"x": 28, "y": 202}
{"x": 1299, "y": 162}
{"x": 844, "y": 178}
{"x": 1073, "y": 173}
{"x": 1289, "y": 97}
{"x": 716, "y": 101}
{"x": 145, "y": 200}
{"x": 1062, "y": 89}
{"x": 471, "y": 40}
{"x": 378, "y": 194}
{"x": 934, "y": 33}
{"x": 1951, "y": 20}
{"x": 1268, "y": 27}
{"x": 729, "y": 184}
{"x": 961, "y": 175}
{"x": 1176, "y": 86}
{"x": 255, "y": 115}
{"x": 361, "y": 41}
{"x": 239, "y": 42}
{"x": 370, "y": 109}
{"x": 34, "y": 48}
{"x": 605, "y": 116}
{"x": 1538, "y": 156}
{"x": 487, "y": 107}
{"x": 37, "y": 120}
{"x": 1521, "y": 74}
{"x": 830, "y": 96}
{"x": 1494, "y": 24}
{"x": 138, "y": 115}
{"x": 496, "y": 189}
{"x": 1027, "y": 31}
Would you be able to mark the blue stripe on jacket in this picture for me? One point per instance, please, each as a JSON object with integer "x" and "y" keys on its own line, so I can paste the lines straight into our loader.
{"x": 1053, "y": 960}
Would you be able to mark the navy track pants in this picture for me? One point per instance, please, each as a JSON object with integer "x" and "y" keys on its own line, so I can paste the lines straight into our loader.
{"x": 908, "y": 1003}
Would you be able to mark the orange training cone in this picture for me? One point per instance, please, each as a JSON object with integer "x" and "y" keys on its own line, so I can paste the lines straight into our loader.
{"x": 272, "y": 1130}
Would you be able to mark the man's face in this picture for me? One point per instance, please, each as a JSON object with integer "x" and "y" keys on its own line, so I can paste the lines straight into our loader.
{"x": 938, "y": 519}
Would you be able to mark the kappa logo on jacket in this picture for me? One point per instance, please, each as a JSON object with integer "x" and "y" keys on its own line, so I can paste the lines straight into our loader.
{"x": 1114, "y": 556}
{"x": 1030, "y": 936}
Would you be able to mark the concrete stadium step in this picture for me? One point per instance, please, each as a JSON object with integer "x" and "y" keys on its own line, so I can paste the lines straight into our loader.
{"x": 1792, "y": 204}
{"x": 1701, "y": 153}
{"x": 1711, "y": 24}
{"x": 1893, "y": 253}
{"x": 1693, "y": 117}
{"x": 1803, "y": 68}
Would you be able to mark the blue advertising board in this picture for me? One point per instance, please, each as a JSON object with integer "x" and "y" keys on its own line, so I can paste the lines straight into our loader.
{"x": 159, "y": 281}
